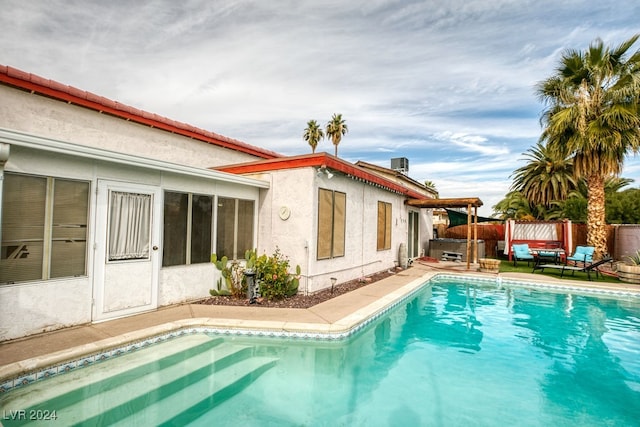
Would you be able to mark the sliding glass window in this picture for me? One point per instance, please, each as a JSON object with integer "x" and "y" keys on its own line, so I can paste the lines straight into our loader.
{"x": 44, "y": 228}
{"x": 234, "y": 231}
{"x": 187, "y": 228}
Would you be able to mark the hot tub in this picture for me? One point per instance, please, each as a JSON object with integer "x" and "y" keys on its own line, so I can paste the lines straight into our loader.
{"x": 438, "y": 246}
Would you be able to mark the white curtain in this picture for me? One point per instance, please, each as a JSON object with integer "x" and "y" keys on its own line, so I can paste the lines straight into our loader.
{"x": 129, "y": 226}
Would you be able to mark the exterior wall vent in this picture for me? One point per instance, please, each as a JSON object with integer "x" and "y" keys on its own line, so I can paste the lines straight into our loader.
{"x": 400, "y": 164}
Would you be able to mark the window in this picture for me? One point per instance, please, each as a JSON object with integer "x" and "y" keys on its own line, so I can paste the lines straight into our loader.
{"x": 201, "y": 227}
{"x": 187, "y": 228}
{"x": 234, "y": 229}
{"x": 332, "y": 207}
{"x": 384, "y": 226}
{"x": 129, "y": 226}
{"x": 44, "y": 228}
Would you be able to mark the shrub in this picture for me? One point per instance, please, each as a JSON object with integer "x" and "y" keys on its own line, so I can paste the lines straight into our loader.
{"x": 635, "y": 258}
{"x": 273, "y": 276}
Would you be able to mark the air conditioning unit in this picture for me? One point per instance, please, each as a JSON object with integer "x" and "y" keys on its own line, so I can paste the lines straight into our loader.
{"x": 400, "y": 164}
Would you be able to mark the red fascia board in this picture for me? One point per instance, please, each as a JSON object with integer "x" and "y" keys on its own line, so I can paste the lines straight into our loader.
{"x": 319, "y": 160}
{"x": 72, "y": 95}
{"x": 352, "y": 170}
{"x": 275, "y": 164}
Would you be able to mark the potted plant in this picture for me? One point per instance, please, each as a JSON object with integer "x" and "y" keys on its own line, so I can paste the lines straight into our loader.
{"x": 629, "y": 271}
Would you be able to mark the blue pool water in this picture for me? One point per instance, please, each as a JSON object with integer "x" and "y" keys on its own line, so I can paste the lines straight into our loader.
{"x": 455, "y": 354}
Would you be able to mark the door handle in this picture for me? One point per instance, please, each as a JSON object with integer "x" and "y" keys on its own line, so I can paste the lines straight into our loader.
{"x": 155, "y": 248}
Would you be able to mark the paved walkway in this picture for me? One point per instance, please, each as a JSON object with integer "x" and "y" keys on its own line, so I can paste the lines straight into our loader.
{"x": 336, "y": 315}
{"x": 339, "y": 314}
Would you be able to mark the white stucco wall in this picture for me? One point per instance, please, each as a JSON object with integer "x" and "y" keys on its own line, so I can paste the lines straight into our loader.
{"x": 37, "y": 306}
{"x": 30, "y": 308}
{"x": 38, "y": 115}
{"x": 296, "y": 237}
{"x": 186, "y": 283}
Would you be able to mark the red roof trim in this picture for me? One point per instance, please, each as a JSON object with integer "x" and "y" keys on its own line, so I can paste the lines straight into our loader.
{"x": 53, "y": 89}
{"x": 320, "y": 160}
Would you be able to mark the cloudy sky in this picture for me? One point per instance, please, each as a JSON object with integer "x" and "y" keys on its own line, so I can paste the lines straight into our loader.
{"x": 449, "y": 84}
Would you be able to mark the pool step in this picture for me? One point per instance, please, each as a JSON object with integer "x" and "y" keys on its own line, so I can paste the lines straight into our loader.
{"x": 159, "y": 384}
{"x": 189, "y": 403}
{"x": 122, "y": 393}
{"x": 65, "y": 383}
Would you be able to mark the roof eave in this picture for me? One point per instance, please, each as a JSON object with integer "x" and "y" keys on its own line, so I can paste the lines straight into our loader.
{"x": 55, "y": 146}
{"x": 320, "y": 160}
{"x": 38, "y": 85}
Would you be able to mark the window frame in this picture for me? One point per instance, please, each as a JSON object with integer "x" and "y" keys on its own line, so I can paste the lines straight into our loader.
{"x": 383, "y": 226}
{"x": 332, "y": 222}
{"x": 186, "y": 226}
{"x": 237, "y": 253}
{"x": 55, "y": 231}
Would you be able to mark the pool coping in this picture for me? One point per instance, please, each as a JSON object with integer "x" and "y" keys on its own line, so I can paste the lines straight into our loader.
{"x": 27, "y": 371}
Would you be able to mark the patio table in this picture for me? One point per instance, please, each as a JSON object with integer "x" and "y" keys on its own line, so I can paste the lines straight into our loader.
{"x": 547, "y": 256}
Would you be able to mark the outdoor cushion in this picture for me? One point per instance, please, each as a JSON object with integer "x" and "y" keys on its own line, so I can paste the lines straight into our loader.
{"x": 521, "y": 253}
{"x": 582, "y": 254}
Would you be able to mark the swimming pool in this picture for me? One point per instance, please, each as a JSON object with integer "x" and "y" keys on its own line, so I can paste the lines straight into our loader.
{"x": 454, "y": 353}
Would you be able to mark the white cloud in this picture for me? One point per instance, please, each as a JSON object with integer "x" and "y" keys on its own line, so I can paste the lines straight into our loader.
{"x": 450, "y": 85}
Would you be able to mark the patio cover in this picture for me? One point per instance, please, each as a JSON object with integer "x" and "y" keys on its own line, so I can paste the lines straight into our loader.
{"x": 457, "y": 203}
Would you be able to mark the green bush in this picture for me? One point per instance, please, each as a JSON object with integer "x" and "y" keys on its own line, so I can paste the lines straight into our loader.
{"x": 273, "y": 276}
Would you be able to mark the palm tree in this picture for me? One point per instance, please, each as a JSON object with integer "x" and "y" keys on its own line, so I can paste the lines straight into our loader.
{"x": 336, "y": 127}
{"x": 546, "y": 178}
{"x": 514, "y": 206}
{"x": 593, "y": 116}
{"x": 430, "y": 185}
{"x": 313, "y": 134}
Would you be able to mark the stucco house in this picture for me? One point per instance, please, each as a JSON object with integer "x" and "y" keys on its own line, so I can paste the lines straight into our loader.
{"x": 109, "y": 211}
{"x": 334, "y": 218}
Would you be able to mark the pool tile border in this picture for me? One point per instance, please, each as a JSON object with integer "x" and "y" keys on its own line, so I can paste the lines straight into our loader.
{"x": 100, "y": 356}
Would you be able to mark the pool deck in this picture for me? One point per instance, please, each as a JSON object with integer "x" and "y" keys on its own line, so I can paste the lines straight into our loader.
{"x": 337, "y": 315}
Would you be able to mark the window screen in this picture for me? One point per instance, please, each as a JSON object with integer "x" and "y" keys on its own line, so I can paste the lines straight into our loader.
{"x": 176, "y": 208}
{"x": 332, "y": 207}
{"x": 201, "y": 220}
{"x": 384, "y": 226}
{"x": 44, "y": 228}
{"x": 234, "y": 228}
{"x": 245, "y": 227}
{"x": 69, "y": 234}
{"x": 225, "y": 227}
{"x": 187, "y": 228}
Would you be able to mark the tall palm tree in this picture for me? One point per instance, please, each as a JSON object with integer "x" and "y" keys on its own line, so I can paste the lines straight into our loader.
{"x": 336, "y": 127}
{"x": 514, "y": 206}
{"x": 593, "y": 115}
{"x": 546, "y": 178}
{"x": 313, "y": 134}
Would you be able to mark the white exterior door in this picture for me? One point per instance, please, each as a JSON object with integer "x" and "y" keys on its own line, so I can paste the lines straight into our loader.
{"x": 127, "y": 256}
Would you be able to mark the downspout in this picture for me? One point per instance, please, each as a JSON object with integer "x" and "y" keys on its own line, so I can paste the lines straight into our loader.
{"x": 4, "y": 157}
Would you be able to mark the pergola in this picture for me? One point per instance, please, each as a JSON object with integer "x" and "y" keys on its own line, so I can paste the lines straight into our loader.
{"x": 457, "y": 203}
